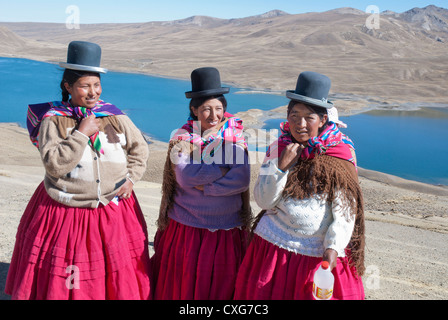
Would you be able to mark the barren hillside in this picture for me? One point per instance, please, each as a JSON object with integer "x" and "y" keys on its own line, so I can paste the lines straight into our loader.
{"x": 405, "y": 60}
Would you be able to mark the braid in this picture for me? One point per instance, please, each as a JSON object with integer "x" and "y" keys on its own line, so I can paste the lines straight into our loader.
{"x": 65, "y": 94}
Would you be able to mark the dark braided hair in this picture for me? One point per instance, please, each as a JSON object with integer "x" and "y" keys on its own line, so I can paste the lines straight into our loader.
{"x": 70, "y": 77}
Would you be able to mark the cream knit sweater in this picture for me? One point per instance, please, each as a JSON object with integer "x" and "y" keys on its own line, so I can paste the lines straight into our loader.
{"x": 76, "y": 175}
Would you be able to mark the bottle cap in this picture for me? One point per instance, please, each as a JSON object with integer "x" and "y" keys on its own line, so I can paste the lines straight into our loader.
{"x": 325, "y": 265}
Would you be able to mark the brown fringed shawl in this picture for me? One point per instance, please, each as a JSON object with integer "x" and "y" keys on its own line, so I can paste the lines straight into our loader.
{"x": 323, "y": 176}
{"x": 169, "y": 186}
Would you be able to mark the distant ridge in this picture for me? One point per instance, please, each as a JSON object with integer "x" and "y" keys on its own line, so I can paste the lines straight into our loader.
{"x": 272, "y": 14}
{"x": 197, "y": 20}
{"x": 347, "y": 10}
{"x": 429, "y": 18}
{"x": 404, "y": 60}
{"x": 211, "y": 22}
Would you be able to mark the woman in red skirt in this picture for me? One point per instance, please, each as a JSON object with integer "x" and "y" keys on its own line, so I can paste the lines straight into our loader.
{"x": 201, "y": 239}
{"x": 312, "y": 206}
{"x": 83, "y": 234}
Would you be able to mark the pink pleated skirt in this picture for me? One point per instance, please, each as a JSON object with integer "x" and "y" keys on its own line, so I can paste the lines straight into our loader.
{"x": 269, "y": 272}
{"x": 196, "y": 264}
{"x": 66, "y": 253}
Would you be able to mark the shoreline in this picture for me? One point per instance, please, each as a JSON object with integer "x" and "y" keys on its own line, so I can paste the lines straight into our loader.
{"x": 349, "y": 104}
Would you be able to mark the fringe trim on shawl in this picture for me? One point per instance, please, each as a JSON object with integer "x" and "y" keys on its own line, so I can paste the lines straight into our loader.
{"x": 323, "y": 176}
{"x": 169, "y": 186}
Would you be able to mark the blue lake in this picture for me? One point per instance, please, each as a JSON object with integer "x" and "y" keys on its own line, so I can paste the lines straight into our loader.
{"x": 409, "y": 144}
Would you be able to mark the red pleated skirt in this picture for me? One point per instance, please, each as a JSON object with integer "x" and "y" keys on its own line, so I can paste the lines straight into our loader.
{"x": 269, "y": 272}
{"x": 196, "y": 264}
{"x": 66, "y": 253}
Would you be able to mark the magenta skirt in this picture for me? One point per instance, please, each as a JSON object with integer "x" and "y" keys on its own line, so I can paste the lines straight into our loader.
{"x": 66, "y": 253}
{"x": 269, "y": 272}
{"x": 196, "y": 264}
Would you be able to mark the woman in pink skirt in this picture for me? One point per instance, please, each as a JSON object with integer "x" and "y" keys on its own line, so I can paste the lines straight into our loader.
{"x": 83, "y": 235}
{"x": 201, "y": 237}
{"x": 312, "y": 206}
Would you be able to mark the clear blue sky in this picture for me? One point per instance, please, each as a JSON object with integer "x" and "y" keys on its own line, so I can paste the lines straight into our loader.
{"x": 101, "y": 11}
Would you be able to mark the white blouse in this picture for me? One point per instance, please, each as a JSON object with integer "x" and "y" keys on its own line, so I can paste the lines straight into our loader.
{"x": 308, "y": 226}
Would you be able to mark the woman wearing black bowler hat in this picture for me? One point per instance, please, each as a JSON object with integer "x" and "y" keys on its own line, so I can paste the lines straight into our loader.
{"x": 312, "y": 206}
{"x": 201, "y": 237}
{"x": 83, "y": 235}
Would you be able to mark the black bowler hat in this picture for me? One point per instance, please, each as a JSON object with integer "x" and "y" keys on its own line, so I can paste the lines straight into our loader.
{"x": 83, "y": 56}
{"x": 312, "y": 88}
{"x": 205, "y": 82}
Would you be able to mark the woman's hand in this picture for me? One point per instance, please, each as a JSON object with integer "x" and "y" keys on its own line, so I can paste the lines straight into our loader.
{"x": 290, "y": 156}
{"x": 89, "y": 126}
{"x": 125, "y": 191}
{"x": 331, "y": 256}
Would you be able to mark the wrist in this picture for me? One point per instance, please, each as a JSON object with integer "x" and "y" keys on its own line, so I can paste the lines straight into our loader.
{"x": 331, "y": 256}
{"x": 330, "y": 252}
{"x": 129, "y": 179}
{"x": 82, "y": 133}
{"x": 281, "y": 170}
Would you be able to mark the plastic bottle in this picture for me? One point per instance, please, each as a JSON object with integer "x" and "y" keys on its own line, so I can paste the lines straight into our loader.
{"x": 323, "y": 282}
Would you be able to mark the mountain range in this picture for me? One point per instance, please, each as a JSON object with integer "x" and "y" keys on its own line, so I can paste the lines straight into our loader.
{"x": 404, "y": 60}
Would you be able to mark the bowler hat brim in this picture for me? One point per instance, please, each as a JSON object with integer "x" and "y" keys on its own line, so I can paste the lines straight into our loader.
{"x": 290, "y": 94}
{"x": 79, "y": 67}
{"x": 206, "y": 93}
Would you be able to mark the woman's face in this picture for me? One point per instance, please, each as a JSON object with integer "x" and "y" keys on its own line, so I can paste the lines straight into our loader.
{"x": 304, "y": 123}
{"x": 209, "y": 114}
{"x": 86, "y": 91}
